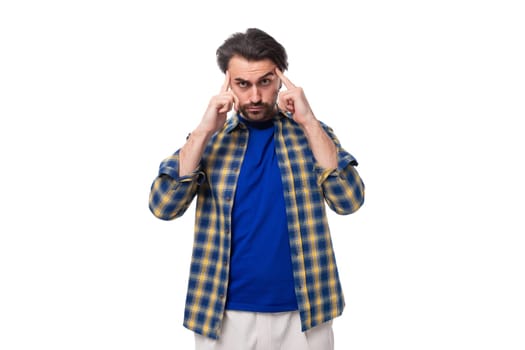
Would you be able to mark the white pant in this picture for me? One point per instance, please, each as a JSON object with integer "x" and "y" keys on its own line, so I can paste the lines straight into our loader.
{"x": 267, "y": 331}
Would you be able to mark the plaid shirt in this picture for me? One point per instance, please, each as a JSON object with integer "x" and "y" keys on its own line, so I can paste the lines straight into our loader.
{"x": 306, "y": 188}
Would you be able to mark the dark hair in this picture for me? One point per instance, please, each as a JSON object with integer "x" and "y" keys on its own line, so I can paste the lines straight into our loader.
{"x": 254, "y": 45}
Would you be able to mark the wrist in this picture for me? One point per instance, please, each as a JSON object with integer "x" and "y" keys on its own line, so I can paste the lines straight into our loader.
{"x": 202, "y": 133}
{"x": 311, "y": 124}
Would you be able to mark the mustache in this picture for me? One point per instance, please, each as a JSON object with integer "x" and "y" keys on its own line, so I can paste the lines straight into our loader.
{"x": 257, "y": 104}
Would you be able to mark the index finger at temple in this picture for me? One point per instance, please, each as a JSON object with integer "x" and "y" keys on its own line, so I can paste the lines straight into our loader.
{"x": 284, "y": 79}
{"x": 226, "y": 84}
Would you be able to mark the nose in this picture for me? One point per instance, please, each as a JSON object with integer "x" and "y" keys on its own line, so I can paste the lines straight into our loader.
{"x": 255, "y": 96}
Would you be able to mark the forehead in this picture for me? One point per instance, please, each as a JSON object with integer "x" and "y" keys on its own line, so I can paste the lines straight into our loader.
{"x": 241, "y": 68}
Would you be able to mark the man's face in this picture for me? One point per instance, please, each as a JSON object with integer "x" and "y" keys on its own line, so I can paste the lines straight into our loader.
{"x": 256, "y": 86}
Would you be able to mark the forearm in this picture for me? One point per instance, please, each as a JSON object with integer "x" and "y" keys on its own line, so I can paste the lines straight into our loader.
{"x": 322, "y": 146}
{"x": 342, "y": 186}
{"x": 191, "y": 153}
{"x": 170, "y": 193}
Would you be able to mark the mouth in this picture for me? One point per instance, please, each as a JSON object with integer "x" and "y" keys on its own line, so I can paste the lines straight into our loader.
{"x": 255, "y": 109}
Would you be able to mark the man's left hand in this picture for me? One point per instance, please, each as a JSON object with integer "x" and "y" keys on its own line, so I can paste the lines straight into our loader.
{"x": 294, "y": 101}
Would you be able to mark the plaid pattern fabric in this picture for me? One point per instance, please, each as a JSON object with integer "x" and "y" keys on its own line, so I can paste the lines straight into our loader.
{"x": 306, "y": 188}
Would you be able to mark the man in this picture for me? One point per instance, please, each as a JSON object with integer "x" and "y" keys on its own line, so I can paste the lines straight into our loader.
{"x": 263, "y": 269}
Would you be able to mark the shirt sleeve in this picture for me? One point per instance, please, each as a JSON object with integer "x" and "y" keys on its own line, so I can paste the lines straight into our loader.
{"x": 171, "y": 194}
{"x": 343, "y": 188}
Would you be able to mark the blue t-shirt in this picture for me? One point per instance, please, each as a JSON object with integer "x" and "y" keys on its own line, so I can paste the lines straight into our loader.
{"x": 261, "y": 275}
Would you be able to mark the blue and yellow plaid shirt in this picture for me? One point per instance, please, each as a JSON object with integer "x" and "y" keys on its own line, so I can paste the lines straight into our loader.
{"x": 306, "y": 189}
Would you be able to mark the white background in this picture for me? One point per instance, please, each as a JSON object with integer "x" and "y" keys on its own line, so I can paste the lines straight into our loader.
{"x": 427, "y": 95}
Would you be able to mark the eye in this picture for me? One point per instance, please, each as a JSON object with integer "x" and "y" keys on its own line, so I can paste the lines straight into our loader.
{"x": 242, "y": 84}
{"x": 265, "y": 82}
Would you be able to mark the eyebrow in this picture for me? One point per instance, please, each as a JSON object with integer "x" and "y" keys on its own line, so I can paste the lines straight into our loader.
{"x": 240, "y": 80}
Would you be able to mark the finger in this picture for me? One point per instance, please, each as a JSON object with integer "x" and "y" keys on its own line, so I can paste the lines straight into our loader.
{"x": 289, "y": 85}
{"x": 225, "y": 106}
{"x": 235, "y": 101}
{"x": 225, "y": 102}
{"x": 282, "y": 106}
{"x": 226, "y": 84}
{"x": 286, "y": 102}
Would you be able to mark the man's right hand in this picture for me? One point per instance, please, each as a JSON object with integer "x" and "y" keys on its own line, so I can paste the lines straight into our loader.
{"x": 218, "y": 108}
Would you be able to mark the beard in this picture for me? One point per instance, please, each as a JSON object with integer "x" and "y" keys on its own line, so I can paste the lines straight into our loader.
{"x": 260, "y": 111}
